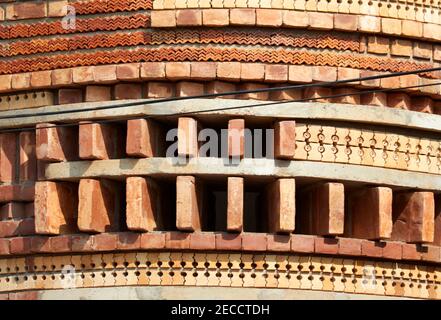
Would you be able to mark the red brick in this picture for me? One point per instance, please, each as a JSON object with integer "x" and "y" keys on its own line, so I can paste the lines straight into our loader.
{"x": 276, "y": 73}
{"x": 56, "y": 144}
{"x": 8, "y": 147}
{"x": 128, "y": 91}
{"x": 5, "y": 82}
{"x": 29, "y": 295}
{"x": 346, "y": 95}
{"x": 325, "y": 245}
{"x": 98, "y": 141}
{"x": 188, "y": 17}
{"x": 295, "y": 19}
{"x": 228, "y": 241}
{"x": 392, "y": 250}
{"x": 215, "y": 17}
{"x": 411, "y": 252}
{"x": 177, "y": 240}
{"x": 20, "y": 245}
{"x": 203, "y": 241}
{"x": 228, "y": 71}
{"x": 40, "y": 244}
{"x": 373, "y": 83}
{"x": 128, "y": 71}
{"x": 235, "y": 204}
{"x": 280, "y": 199}
{"x": 22, "y": 192}
{"x": 153, "y": 70}
{"x": 153, "y": 240}
{"x": 98, "y": 93}
{"x": 129, "y": 241}
{"x": 203, "y": 70}
{"x": 348, "y": 73}
{"x": 351, "y": 247}
{"x": 254, "y": 242}
{"x": 277, "y": 242}
{"x": 4, "y": 247}
{"x": 67, "y": 96}
{"x": 27, "y": 156}
{"x": 189, "y": 89}
{"x": 61, "y": 77}
{"x": 177, "y": 70}
{"x": 243, "y": 16}
{"x": 346, "y": 22}
{"x": 41, "y": 79}
{"x": 82, "y": 243}
{"x": 291, "y": 94}
{"x": 302, "y": 74}
{"x": 105, "y": 242}
{"x": 104, "y": 74}
{"x": 321, "y": 20}
{"x": 269, "y": 17}
{"x": 142, "y": 138}
{"x": 82, "y": 75}
{"x": 21, "y": 81}
{"x": 159, "y": 90}
{"x": 61, "y": 244}
{"x": 163, "y": 18}
{"x": 57, "y": 8}
{"x": 26, "y": 10}
{"x": 372, "y": 248}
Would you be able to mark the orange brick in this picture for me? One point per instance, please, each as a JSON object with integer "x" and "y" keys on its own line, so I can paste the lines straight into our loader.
{"x": 104, "y": 74}
{"x": 422, "y": 50}
{"x": 391, "y": 26}
{"x": 153, "y": 70}
{"x": 124, "y": 91}
{"x": 55, "y": 207}
{"x": 21, "y": 81}
{"x": 280, "y": 199}
{"x": 276, "y": 73}
{"x": 390, "y": 83}
{"x": 189, "y": 203}
{"x": 203, "y": 70}
{"x": 252, "y": 71}
{"x": 236, "y": 138}
{"x": 188, "y": 89}
{"x": 61, "y": 77}
{"x": 346, "y": 22}
{"x": 98, "y": 141}
{"x": 57, "y": 8}
{"x": 324, "y": 73}
{"x": 228, "y": 71}
{"x": 369, "y": 24}
{"x": 128, "y": 71}
{"x": 82, "y": 75}
{"x": 98, "y": 93}
{"x": 188, "y": 17}
{"x": 321, "y": 20}
{"x": 187, "y": 137}
{"x": 5, "y": 82}
{"x": 163, "y": 18}
{"x": 159, "y": 90}
{"x": 412, "y": 28}
{"x": 401, "y": 47}
{"x": 295, "y": 19}
{"x": 269, "y": 17}
{"x": 348, "y": 73}
{"x": 177, "y": 70}
{"x": 284, "y": 139}
{"x": 374, "y": 83}
{"x": 215, "y": 17}
{"x": 243, "y": 16}
{"x": 235, "y": 203}
{"x": 302, "y": 74}
{"x": 8, "y": 167}
{"x": 378, "y": 45}
{"x": 26, "y": 10}
{"x": 221, "y": 87}
{"x": 56, "y": 143}
{"x": 143, "y": 138}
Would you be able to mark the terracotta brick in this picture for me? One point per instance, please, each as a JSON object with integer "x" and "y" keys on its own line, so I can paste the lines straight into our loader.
{"x": 346, "y": 22}
{"x": 280, "y": 199}
{"x": 104, "y": 74}
{"x": 401, "y": 47}
{"x": 56, "y": 143}
{"x": 412, "y": 28}
{"x": 203, "y": 70}
{"x": 411, "y": 252}
{"x": 143, "y": 210}
{"x": 392, "y": 250}
{"x": 8, "y": 157}
{"x": 321, "y": 211}
{"x": 40, "y": 244}
{"x": 398, "y": 100}
{"x": 124, "y": 91}
{"x": 55, "y": 207}
{"x": 346, "y": 95}
{"x": 276, "y": 73}
{"x": 21, "y": 81}
{"x": 302, "y": 74}
{"x": 228, "y": 241}
{"x": 318, "y": 94}
{"x": 99, "y": 205}
{"x": 215, "y": 87}
{"x": 189, "y": 203}
{"x": 391, "y": 26}
{"x": 68, "y": 96}
{"x": 4, "y": 247}
{"x": 163, "y": 18}
{"x": 413, "y": 217}
{"x": 5, "y": 82}
{"x": 61, "y": 244}
{"x": 431, "y": 253}
{"x": 177, "y": 240}
{"x": 98, "y": 93}
{"x": 188, "y": 17}
{"x": 422, "y": 50}
{"x": 215, "y": 17}
{"x": 292, "y": 94}
{"x": 187, "y": 137}
{"x": 29, "y": 295}
{"x": 20, "y": 245}
{"x": 351, "y": 247}
{"x": 143, "y": 138}
{"x": 128, "y": 241}
{"x": 26, "y": 10}
{"x": 254, "y": 242}
{"x": 22, "y": 192}
{"x": 372, "y": 248}
{"x": 13, "y": 210}
{"x": 324, "y": 73}
{"x": 105, "y": 242}
{"x": 98, "y": 141}
{"x": 236, "y": 138}
{"x": 62, "y": 77}
{"x": 348, "y": 73}
{"x": 247, "y": 86}
{"x": 202, "y": 241}
{"x": 153, "y": 240}
{"x": 277, "y": 242}
{"x": 269, "y": 17}
{"x": 325, "y": 245}
{"x": 390, "y": 83}
{"x": 82, "y": 75}
{"x": 243, "y": 16}
{"x": 235, "y": 204}
{"x": 374, "y": 99}
{"x": 57, "y": 8}
{"x": 189, "y": 89}
{"x": 409, "y": 80}
{"x": 82, "y": 243}
{"x": 128, "y": 71}
{"x": 159, "y": 90}
{"x": 321, "y": 20}
{"x": 421, "y": 104}
{"x": 252, "y": 71}
{"x": 41, "y": 79}
{"x": 177, "y": 70}
{"x": 369, "y": 24}
{"x": 27, "y": 156}
{"x": 13, "y": 228}
{"x": 370, "y": 213}
{"x": 295, "y": 19}
{"x": 378, "y": 45}
{"x": 152, "y": 70}
{"x": 284, "y": 139}
{"x": 229, "y": 71}
{"x": 373, "y": 83}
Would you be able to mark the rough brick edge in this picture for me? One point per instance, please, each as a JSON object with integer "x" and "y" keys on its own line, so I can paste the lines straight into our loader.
{"x": 219, "y": 241}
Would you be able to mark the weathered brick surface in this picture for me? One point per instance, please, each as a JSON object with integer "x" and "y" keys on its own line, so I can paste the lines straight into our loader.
{"x": 254, "y": 241}
{"x": 56, "y": 143}
{"x": 280, "y": 199}
{"x": 27, "y": 156}
{"x": 284, "y": 139}
{"x": 243, "y": 16}
{"x": 325, "y": 245}
{"x": 13, "y": 210}
{"x": 235, "y": 204}
{"x": 98, "y": 141}
{"x": 8, "y": 156}
{"x": 189, "y": 89}
{"x": 278, "y": 242}
{"x": 177, "y": 240}
{"x": 236, "y": 138}
{"x": 143, "y": 138}
{"x": 203, "y": 241}
{"x": 125, "y": 91}
{"x": 189, "y": 203}
{"x": 98, "y": 93}
{"x": 228, "y": 241}
{"x": 153, "y": 240}
{"x": 67, "y": 96}
{"x": 187, "y": 137}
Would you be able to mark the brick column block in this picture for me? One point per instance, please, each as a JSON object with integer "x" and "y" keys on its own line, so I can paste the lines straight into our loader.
{"x": 99, "y": 205}
{"x": 236, "y": 138}
{"x": 413, "y": 217}
{"x": 56, "y": 144}
{"x": 437, "y": 232}
{"x": 235, "y": 204}
{"x": 280, "y": 198}
{"x": 56, "y": 206}
{"x": 189, "y": 203}
{"x": 98, "y": 141}
{"x": 143, "y": 210}
{"x": 187, "y": 137}
{"x": 8, "y": 157}
{"x": 321, "y": 211}
{"x": 144, "y": 138}
{"x": 28, "y": 158}
{"x": 370, "y": 213}
{"x": 285, "y": 139}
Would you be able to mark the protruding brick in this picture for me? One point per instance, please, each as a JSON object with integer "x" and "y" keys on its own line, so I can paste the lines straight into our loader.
{"x": 284, "y": 139}
{"x": 203, "y": 70}
{"x": 187, "y": 137}
{"x": 378, "y": 45}
{"x": 229, "y": 71}
{"x": 321, "y": 20}
{"x": 98, "y": 141}
{"x": 8, "y": 156}
{"x": 215, "y": 17}
{"x": 243, "y": 16}
{"x": 153, "y": 70}
{"x": 13, "y": 210}
{"x": 374, "y": 99}
{"x": 21, "y": 81}
{"x": 228, "y": 241}
{"x": 143, "y": 209}
{"x": 280, "y": 197}
{"x": 348, "y": 73}
{"x": 188, "y": 17}
{"x": 398, "y": 100}
{"x": 325, "y": 245}
{"x": 289, "y": 94}
{"x": 56, "y": 143}
{"x": 411, "y": 252}
{"x": 62, "y": 77}
{"x": 189, "y": 203}
{"x": 278, "y": 242}
{"x": 221, "y": 87}
{"x": 98, "y": 93}
{"x": 372, "y": 248}
{"x": 159, "y": 90}
{"x": 302, "y": 74}
{"x": 143, "y": 138}
{"x": 153, "y": 240}
{"x": 321, "y": 211}
{"x": 324, "y": 73}
{"x": 203, "y": 241}
{"x": 235, "y": 204}
{"x": 400, "y": 47}
{"x": 105, "y": 242}
{"x": 188, "y": 89}
{"x": 370, "y": 213}
{"x": 128, "y": 241}
{"x": 254, "y": 241}
{"x": 4, "y": 247}
{"x": 347, "y": 246}
{"x": 104, "y": 74}
{"x": 55, "y": 207}
{"x": 391, "y": 26}
{"x": 413, "y": 217}
{"x": 177, "y": 240}
{"x": 269, "y": 17}
{"x": 5, "y": 82}
{"x": 422, "y": 50}
{"x": 26, "y": 10}
{"x": 177, "y": 70}
{"x": 82, "y": 75}
{"x": 82, "y": 243}
{"x": 236, "y": 138}
{"x": 27, "y": 154}
{"x": 247, "y": 86}
{"x": 295, "y": 19}
{"x": 61, "y": 244}
{"x": 125, "y": 91}
{"x": 252, "y": 71}
{"x": 372, "y": 83}
{"x": 20, "y": 245}
{"x": 163, "y": 18}
{"x": 128, "y": 71}
{"x": 99, "y": 205}
{"x": 41, "y": 79}
{"x": 369, "y": 24}
{"x": 302, "y": 243}
{"x": 276, "y": 73}
{"x": 392, "y": 250}
{"x": 412, "y": 28}
{"x": 68, "y": 96}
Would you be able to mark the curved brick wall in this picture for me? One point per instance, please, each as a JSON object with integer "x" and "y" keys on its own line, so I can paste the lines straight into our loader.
{"x": 354, "y": 187}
